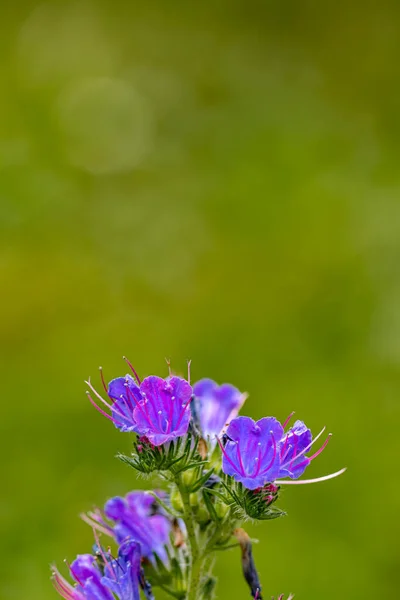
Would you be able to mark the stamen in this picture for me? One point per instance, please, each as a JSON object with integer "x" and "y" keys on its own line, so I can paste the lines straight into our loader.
{"x": 183, "y": 411}
{"x": 132, "y": 369}
{"x": 225, "y": 454}
{"x": 324, "y": 445}
{"x": 273, "y": 456}
{"x": 73, "y": 574}
{"x": 296, "y": 443}
{"x": 189, "y": 362}
{"x": 103, "y": 412}
{"x": 139, "y": 405}
{"x": 283, "y": 451}
{"x": 306, "y": 449}
{"x": 90, "y": 519}
{"x": 63, "y": 587}
{"x": 287, "y": 420}
{"x": 169, "y": 420}
{"x": 111, "y": 408}
{"x": 103, "y": 556}
{"x": 168, "y": 361}
{"x": 258, "y": 462}
{"x": 306, "y": 481}
{"x": 103, "y": 380}
{"x": 240, "y": 460}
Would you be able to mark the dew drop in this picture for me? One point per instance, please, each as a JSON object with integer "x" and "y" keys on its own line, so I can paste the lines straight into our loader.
{"x": 160, "y": 412}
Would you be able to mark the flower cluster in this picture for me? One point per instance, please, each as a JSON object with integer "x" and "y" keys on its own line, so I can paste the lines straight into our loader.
{"x": 136, "y": 516}
{"x": 103, "y": 579}
{"x": 219, "y": 468}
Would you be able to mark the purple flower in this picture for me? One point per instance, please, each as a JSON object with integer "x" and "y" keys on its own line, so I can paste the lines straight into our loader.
{"x": 295, "y": 443}
{"x": 251, "y": 453}
{"x": 293, "y": 448}
{"x": 216, "y": 405}
{"x": 164, "y": 414}
{"x": 126, "y": 395}
{"x": 120, "y": 578}
{"x": 156, "y": 408}
{"x": 135, "y": 517}
{"x": 258, "y": 453}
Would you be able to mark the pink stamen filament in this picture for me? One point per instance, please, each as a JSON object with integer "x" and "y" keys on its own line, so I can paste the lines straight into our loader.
{"x": 309, "y": 459}
{"x": 225, "y": 454}
{"x": 324, "y": 445}
{"x": 141, "y": 405}
{"x": 91, "y": 519}
{"x": 296, "y": 443}
{"x": 240, "y": 459}
{"x": 132, "y": 369}
{"x": 111, "y": 408}
{"x": 306, "y": 481}
{"x": 103, "y": 380}
{"x": 283, "y": 451}
{"x": 287, "y": 420}
{"x": 103, "y": 412}
{"x": 258, "y": 462}
{"x": 171, "y": 409}
{"x": 273, "y": 456}
{"x": 63, "y": 587}
{"x": 183, "y": 412}
{"x": 306, "y": 449}
{"x": 74, "y": 574}
{"x": 103, "y": 556}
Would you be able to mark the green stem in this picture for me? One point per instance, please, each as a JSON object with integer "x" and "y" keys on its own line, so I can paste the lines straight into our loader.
{"x": 196, "y": 561}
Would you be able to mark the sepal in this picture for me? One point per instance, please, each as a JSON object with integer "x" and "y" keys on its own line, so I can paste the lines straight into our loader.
{"x": 254, "y": 504}
{"x": 176, "y": 456}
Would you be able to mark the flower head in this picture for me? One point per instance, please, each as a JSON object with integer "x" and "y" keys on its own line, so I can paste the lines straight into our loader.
{"x": 293, "y": 447}
{"x": 114, "y": 579}
{"x": 164, "y": 412}
{"x": 251, "y": 453}
{"x": 216, "y": 405}
{"x": 257, "y": 453}
{"x": 156, "y": 408}
{"x": 136, "y": 517}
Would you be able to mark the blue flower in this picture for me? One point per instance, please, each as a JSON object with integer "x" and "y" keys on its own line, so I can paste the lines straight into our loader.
{"x": 122, "y": 576}
{"x": 155, "y": 408}
{"x": 251, "y": 452}
{"x": 216, "y": 405}
{"x": 295, "y": 443}
{"x": 136, "y": 517}
{"x": 164, "y": 413}
{"x": 293, "y": 448}
{"x": 259, "y": 453}
{"x": 117, "y": 579}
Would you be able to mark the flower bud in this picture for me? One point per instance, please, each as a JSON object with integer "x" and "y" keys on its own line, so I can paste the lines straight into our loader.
{"x": 194, "y": 500}
{"x": 176, "y": 500}
{"x": 221, "y": 509}
{"x": 189, "y": 477}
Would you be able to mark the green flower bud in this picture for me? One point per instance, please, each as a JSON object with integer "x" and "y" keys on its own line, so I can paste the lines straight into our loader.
{"x": 176, "y": 500}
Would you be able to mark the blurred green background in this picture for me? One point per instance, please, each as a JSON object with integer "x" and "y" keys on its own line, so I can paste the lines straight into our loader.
{"x": 216, "y": 180}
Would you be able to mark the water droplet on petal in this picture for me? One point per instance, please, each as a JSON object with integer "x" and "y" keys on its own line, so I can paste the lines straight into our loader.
{"x": 160, "y": 412}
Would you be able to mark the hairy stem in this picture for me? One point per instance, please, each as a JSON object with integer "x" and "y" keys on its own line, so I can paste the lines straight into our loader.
{"x": 196, "y": 561}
